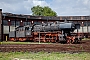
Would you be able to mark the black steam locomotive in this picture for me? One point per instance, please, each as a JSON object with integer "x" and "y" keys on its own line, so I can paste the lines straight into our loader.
{"x": 47, "y": 32}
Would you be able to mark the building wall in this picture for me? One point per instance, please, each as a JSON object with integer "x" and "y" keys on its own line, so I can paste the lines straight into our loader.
{"x": 0, "y": 22}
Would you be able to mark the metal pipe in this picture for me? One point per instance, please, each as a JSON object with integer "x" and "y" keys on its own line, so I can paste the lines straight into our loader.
{"x": 62, "y": 34}
{"x": 82, "y": 29}
{"x": 87, "y": 25}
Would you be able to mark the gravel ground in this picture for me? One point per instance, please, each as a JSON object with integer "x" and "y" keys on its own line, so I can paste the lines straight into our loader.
{"x": 84, "y": 46}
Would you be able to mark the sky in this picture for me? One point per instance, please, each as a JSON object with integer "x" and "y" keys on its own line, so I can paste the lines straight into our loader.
{"x": 61, "y": 7}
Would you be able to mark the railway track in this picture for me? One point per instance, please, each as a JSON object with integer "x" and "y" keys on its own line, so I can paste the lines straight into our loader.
{"x": 82, "y": 47}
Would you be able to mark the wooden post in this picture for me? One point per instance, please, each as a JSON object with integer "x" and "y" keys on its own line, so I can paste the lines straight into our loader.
{"x": 39, "y": 37}
{"x": 0, "y": 25}
{"x": 6, "y": 38}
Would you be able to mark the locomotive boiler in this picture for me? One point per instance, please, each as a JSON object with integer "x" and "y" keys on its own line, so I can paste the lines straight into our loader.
{"x": 47, "y": 32}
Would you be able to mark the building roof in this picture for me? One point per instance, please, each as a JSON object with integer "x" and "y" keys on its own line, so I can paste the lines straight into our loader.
{"x": 46, "y": 17}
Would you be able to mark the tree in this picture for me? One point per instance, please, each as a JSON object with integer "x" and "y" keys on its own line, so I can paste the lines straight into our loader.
{"x": 42, "y": 11}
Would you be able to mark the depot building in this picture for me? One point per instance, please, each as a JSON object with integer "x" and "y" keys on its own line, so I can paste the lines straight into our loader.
{"x": 8, "y": 22}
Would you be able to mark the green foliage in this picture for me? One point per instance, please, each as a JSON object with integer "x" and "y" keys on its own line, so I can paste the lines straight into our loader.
{"x": 42, "y": 11}
{"x": 43, "y": 56}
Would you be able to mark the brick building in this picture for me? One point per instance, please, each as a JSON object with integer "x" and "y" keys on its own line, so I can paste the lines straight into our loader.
{"x": 9, "y": 21}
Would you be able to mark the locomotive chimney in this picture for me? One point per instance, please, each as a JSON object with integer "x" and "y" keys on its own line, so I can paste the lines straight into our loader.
{"x": 65, "y": 20}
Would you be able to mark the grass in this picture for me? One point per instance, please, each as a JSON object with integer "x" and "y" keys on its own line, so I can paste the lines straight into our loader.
{"x": 43, "y": 56}
{"x": 86, "y": 39}
{"x": 11, "y": 42}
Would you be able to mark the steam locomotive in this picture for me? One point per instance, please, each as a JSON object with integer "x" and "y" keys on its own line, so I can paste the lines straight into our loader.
{"x": 47, "y": 32}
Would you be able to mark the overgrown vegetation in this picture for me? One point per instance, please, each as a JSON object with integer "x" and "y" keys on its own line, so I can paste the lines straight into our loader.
{"x": 86, "y": 39}
{"x": 43, "y": 56}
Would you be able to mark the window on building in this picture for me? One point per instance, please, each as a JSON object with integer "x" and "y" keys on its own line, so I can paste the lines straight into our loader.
{"x": 5, "y": 22}
{"x": 75, "y": 22}
{"x": 85, "y": 23}
{"x": 76, "y": 17}
{"x": 13, "y": 23}
{"x": 17, "y": 23}
{"x": 88, "y": 23}
{"x": 29, "y": 23}
{"x": 24, "y": 23}
{"x": 37, "y": 23}
{"x": 5, "y": 29}
{"x": 86, "y": 17}
{"x": 63, "y": 18}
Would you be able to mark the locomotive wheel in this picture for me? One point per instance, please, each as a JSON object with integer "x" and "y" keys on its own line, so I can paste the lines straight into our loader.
{"x": 15, "y": 40}
{"x": 68, "y": 40}
{"x": 72, "y": 39}
{"x": 76, "y": 41}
